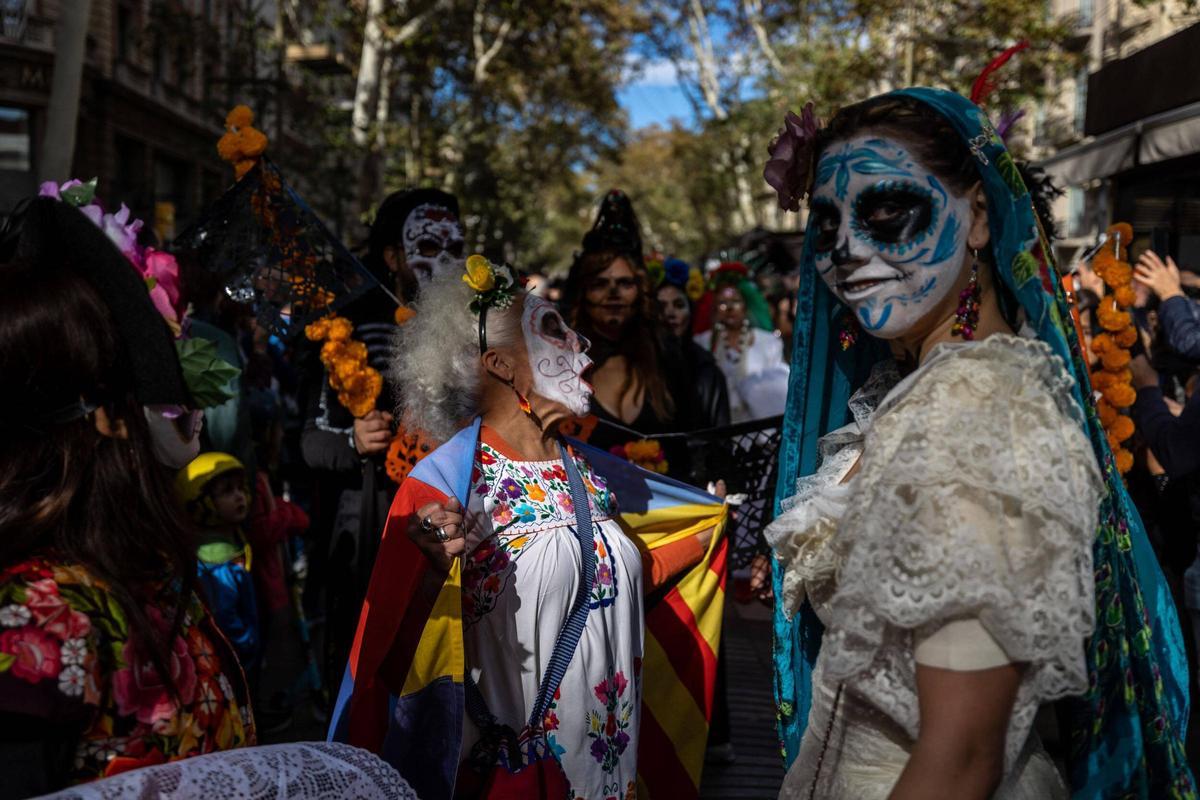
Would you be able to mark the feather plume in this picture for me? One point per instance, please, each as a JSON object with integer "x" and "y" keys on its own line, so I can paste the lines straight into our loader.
{"x": 984, "y": 85}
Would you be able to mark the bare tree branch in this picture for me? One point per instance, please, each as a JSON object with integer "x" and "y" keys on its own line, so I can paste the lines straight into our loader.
{"x": 754, "y": 15}
{"x": 485, "y": 55}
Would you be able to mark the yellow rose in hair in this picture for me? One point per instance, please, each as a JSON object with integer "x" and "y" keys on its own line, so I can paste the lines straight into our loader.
{"x": 479, "y": 274}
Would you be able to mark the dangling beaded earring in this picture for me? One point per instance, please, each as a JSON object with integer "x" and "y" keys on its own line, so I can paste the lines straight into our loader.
{"x": 848, "y": 334}
{"x": 966, "y": 318}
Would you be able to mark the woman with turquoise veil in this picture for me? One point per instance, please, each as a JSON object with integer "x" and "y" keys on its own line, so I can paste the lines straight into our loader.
{"x": 954, "y": 546}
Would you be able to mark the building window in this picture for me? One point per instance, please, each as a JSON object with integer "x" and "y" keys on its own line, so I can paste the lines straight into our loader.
{"x": 126, "y": 28}
{"x": 1081, "y": 82}
{"x": 1075, "y": 211}
{"x": 15, "y": 144}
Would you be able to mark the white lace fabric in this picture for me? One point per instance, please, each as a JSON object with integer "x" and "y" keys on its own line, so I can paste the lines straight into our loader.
{"x": 301, "y": 771}
{"x": 976, "y": 498}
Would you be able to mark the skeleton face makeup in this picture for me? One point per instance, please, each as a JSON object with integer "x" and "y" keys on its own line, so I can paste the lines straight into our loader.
{"x": 433, "y": 242}
{"x": 557, "y": 356}
{"x": 888, "y": 237}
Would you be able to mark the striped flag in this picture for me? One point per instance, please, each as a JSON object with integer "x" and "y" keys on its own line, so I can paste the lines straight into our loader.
{"x": 402, "y": 695}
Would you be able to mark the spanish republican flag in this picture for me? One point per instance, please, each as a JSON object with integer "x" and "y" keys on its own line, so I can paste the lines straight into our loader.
{"x": 402, "y": 694}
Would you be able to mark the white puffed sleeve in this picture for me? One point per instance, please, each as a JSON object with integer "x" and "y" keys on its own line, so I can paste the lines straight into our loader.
{"x": 969, "y": 533}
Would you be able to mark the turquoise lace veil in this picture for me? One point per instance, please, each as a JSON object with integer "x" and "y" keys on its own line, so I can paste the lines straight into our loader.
{"x": 1127, "y": 733}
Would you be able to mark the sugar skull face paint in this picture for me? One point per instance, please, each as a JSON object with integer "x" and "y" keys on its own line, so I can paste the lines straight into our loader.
{"x": 433, "y": 242}
{"x": 557, "y": 356}
{"x": 889, "y": 239}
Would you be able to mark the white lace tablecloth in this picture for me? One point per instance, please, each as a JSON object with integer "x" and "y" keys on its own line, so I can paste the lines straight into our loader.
{"x": 273, "y": 772}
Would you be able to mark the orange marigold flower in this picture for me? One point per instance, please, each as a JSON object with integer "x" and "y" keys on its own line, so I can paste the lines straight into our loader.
{"x": 1118, "y": 275}
{"x": 1126, "y": 336}
{"x": 253, "y": 142}
{"x": 404, "y": 314}
{"x": 1101, "y": 380}
{"x": 227, "y": 147}
{"x": 1106, "y": 412}
{"x": 239, "y": 117}
{"x": 340, "y": 329}
{"x": 1114, "y": 359}
{"x": 1121, "y": 395}
{"x": 1124, "y": 460}
{"x": 1102, "y": 343}
{"x": 1124, "y": 296}
{"x": 1124, "y": 229}
{"x": 317, "y": 331}
{"x": 332, "y": 351}
{"x": 1112, "y": 320}
{"x": 1122, "y": 428}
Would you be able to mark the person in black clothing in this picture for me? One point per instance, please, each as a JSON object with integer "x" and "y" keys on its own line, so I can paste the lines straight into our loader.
{"x": 416, "y": 234}
{"x": 640, "y": 389}
{"x": 675, "y": 309}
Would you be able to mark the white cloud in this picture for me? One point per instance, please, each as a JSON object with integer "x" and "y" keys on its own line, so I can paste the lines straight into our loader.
{"x": 643, "y": 72}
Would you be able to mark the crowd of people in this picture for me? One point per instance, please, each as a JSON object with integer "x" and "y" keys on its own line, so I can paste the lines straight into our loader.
{"x": 215, "y": 535}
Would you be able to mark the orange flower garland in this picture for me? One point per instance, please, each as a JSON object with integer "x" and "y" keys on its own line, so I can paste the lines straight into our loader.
{"x": 357, "y": 383}
{"x": 1112, "y": 377}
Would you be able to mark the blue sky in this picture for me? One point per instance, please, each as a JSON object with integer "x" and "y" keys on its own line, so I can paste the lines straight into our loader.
{"x": 654, "y": 98}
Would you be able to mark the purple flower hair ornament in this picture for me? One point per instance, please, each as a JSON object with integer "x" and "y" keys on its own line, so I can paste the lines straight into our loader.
{"x": 789, "y": 170}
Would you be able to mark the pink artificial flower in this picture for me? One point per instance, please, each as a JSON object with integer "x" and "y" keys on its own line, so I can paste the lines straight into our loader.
{"x": 52, "y": 612}
{"x": 788, "y": 170}
{"x": 141, "y": 691}
{"x": 122, "y": 232}
{"x": 36, "y": 654}
{"x": 163, "y": 268}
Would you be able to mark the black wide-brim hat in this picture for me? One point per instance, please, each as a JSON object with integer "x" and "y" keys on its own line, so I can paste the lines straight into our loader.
{"x": 57, "y": 236}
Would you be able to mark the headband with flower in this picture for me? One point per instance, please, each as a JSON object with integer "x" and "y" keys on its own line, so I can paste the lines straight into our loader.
{"x": 789, "y": 170}
{"x": 495, "y": 286}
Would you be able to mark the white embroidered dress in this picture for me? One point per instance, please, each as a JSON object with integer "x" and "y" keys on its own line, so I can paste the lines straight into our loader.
{"x": 519, "y": 581}
{"x": 963, "y": 542}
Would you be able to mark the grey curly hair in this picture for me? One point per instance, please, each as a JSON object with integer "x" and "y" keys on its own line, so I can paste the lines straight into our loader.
{"x": 435, "y": 368}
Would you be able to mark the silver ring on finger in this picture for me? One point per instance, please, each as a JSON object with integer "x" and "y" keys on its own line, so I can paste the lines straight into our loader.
{"x": 427, "y": 524}
{"x": 441, "y": 534}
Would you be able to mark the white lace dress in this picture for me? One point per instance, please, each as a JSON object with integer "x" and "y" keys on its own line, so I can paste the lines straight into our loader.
{"x": 519, "y": 582}
{"x": 963, "y": 542}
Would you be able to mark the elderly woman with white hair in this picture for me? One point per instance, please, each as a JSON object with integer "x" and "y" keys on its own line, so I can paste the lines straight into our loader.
{"x": 500, "y": 645}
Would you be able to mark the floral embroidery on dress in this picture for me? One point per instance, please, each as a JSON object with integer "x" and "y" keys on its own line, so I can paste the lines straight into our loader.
{"x": 524, "y": 493}
{"x": 608, "y": 727}
{"x": 604, "y": 589}
{"x": 522, "y": 497}
{"x": 486, "y": 571}
{"x": 60, "y": 629}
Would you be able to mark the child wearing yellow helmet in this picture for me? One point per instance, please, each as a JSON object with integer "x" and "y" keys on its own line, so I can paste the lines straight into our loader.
{"x": 213, "y": 490}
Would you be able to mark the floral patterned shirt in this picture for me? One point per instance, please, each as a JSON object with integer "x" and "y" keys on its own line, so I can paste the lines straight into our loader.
{"x": 66, "y": 654}
{"x": 520, "y": 578}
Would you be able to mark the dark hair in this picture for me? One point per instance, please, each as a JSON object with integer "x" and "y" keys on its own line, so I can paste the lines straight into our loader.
{"x": 932, "y": 137}
{"x": 639, "y": 341}
{"x": 66, "y": 489}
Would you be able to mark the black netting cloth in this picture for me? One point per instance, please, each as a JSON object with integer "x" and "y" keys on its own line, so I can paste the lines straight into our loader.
{"x": 270, "y": 249}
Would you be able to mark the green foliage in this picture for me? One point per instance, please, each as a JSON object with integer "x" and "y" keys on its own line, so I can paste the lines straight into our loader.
{"x": 206, "y": 374}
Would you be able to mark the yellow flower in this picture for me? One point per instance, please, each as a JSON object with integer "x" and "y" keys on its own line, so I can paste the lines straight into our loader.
{"x": 479, "y": 274}
{"x": 535, "y": 492}
{"x": 695, "y": 284}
